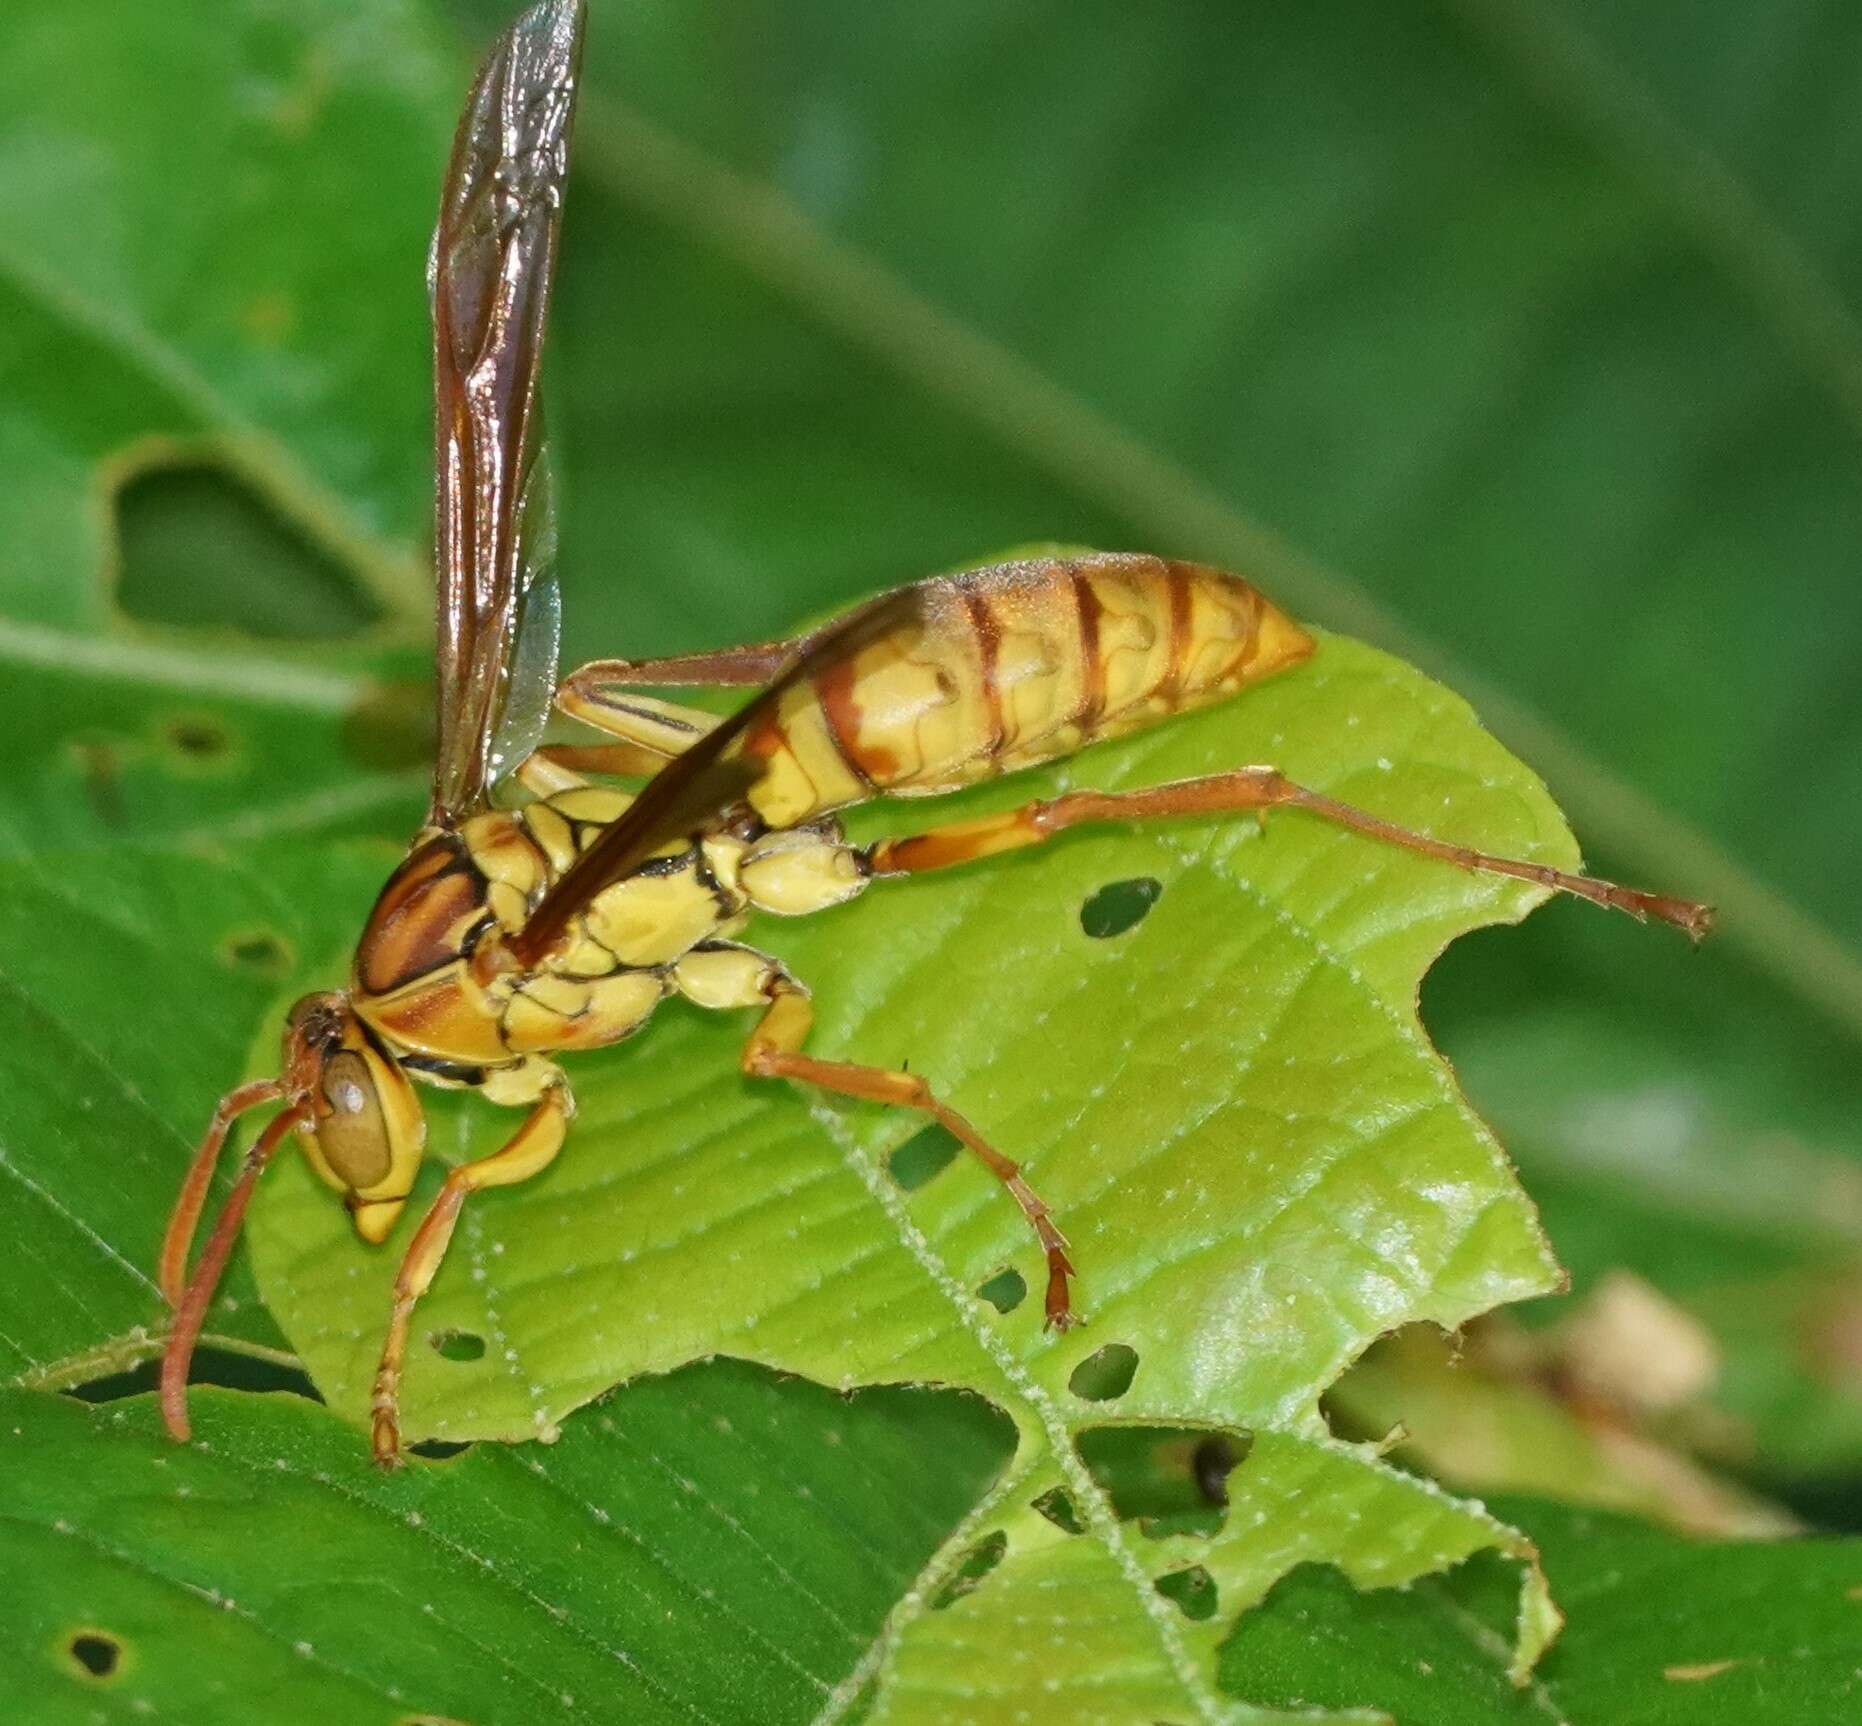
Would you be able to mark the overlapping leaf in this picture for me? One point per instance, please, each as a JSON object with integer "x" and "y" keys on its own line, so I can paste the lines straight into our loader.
{"x": 272, "y": 1572}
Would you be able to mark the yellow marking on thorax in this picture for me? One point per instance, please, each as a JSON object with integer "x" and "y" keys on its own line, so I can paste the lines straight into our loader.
{"x": 550, "y": 1013}
{"x": 651, "y": 918}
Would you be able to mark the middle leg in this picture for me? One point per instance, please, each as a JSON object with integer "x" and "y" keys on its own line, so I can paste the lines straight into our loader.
{"x": 774, "y": 1051}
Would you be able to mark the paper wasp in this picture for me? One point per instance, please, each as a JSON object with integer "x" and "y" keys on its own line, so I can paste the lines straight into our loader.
{"x": 515, "y": 931}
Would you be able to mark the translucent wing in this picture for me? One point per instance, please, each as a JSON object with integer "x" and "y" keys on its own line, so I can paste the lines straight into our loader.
{"x": 531, "y": 690}
{"x": 489, "y": 281}
{"x": 693, "y": 789}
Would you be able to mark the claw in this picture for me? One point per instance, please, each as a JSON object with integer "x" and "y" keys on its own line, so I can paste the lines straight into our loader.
{"x": 386, "y": 1436}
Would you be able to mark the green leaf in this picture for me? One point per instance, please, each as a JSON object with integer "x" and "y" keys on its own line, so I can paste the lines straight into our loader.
{"x": 1242, "y": 1242}
{"x": 708, "y": 1548}
{"x": 1664, "y": 1630}
{"x": 867, "y": 293}
{"x": 131, "y": 975}
{"x": 183, "y": 199}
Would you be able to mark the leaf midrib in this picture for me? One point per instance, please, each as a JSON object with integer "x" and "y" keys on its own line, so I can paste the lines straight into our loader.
{"x": 1089, "y": 1498}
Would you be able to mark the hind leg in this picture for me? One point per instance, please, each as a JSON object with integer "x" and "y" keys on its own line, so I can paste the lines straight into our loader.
{"x": 1257, "y": 789}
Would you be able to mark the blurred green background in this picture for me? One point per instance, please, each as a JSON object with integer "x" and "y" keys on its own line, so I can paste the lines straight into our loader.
{"x": 1521, "y": 338}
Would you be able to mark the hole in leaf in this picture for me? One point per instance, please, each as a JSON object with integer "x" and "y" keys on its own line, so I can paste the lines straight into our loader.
{"x": 1119, "y": 906}
{"x": 259, "y": 951}
{"x": 457, "y": 1344}
{"x": 439, "y": 1449}
{"x": 1005, "y": 1291}
{"x": 922, "y": 1156}
{"x": 1057, "y": 1507}
{"x": 977, "y": 1563}
{"x": 1192, "y": 1591}
{"x": 1162, "y": 1476}
{"x": 392, "y": 726}
{"x": 1106, "y": 1374}
{"x": 1211, "y": 1463}
{"x": 199, "y": 547}
{"x": 96, "y": 1652}
{"x": 210, "y": 1365}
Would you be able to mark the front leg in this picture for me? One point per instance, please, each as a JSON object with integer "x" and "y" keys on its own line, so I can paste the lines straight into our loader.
{"x": 532, "y": 1148}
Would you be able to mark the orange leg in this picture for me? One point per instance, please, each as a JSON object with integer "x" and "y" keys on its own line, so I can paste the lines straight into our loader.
{"x": 191, "y": 1307}
{"x": 531, "y": 1148}
{"x": 171, "y": 1270}
{"x": 600, "y": 694}
{"x": 774, "y": 1052}
{"x": 723, "y": 668}
{"x": 1258, "y": 788}
{"x": 566, "y": 766}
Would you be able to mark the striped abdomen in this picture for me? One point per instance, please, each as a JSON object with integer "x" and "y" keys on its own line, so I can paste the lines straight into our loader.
{"x": 1013, "y": 665}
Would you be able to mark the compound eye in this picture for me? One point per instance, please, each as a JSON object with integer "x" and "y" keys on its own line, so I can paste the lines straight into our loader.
{"x": 353, "y": 1136}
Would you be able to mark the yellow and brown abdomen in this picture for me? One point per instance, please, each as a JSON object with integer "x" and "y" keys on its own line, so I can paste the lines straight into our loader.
{"x": 1018, "y": 664}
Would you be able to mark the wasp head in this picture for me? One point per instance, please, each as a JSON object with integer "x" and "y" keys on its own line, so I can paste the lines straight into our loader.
{"x": 364, "y": 1132}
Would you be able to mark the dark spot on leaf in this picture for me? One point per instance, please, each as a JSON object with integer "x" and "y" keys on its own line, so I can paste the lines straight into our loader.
{"x": 200, "y": 548}
{"x": 1193, "y": 1591}
{"x": 922, "y": 1156}
{"x": 977, "y": 1563}
{"x": 392, "y": 726}
{"x": 259, "y": 951}
{"x": 439, "y": 1449}
{"x": 1161, "y": 1476}
{"x": 96, "y": 1653}
{"x": 1057, "y": 1506}
{"x": 198, "y": 736}
{"x": 1105, "y": 1374}
{"x": 1119, "y": 906}
{"x": 457, "y": 1345}
{"x": 1211, "y": 1463}
{"x": 1005, "y": 1291}
{"x": 99, "y": 758}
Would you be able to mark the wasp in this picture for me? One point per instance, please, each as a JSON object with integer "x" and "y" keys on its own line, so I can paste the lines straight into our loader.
{"x": 542, "y": 911}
